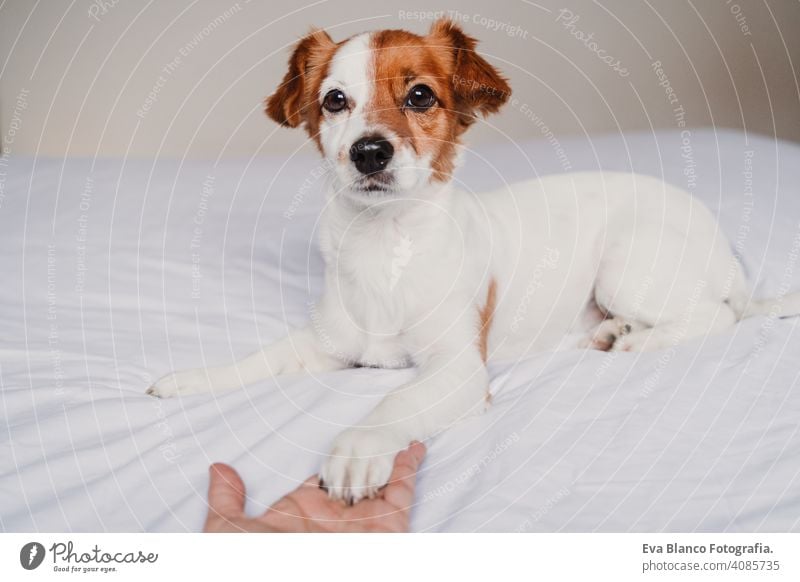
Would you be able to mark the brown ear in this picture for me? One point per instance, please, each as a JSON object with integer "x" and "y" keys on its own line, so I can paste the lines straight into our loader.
{"x": 477, "y": 85}
{"x": 287, "y": 105}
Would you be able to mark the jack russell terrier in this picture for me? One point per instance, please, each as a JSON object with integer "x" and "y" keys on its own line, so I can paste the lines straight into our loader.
{"x": 419, "y": 273}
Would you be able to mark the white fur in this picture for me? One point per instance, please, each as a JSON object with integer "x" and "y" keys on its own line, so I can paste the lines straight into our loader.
{"x": 350, "y": 71}
{"x": 408, "y": 272}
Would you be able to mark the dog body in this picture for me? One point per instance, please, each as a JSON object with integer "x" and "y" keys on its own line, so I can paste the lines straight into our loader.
{"x": 420, "y": 273}
{"x": 532, "y": 266}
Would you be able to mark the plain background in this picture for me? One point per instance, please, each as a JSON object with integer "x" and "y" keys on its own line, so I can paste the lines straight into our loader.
{"x": 76, "y": 76}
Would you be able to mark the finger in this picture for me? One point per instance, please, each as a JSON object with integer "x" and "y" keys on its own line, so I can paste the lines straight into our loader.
{"x": 419, "y": 450}
{"x": 400, "y": 490}
{"x": 313, "y": 481}
{"x": 225, "y": 492}
{"x": 313, "y": 484}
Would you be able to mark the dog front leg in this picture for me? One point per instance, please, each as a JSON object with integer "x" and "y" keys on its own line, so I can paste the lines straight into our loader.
{"x": 449, "y": 387}
{"x": 302, "y": 349}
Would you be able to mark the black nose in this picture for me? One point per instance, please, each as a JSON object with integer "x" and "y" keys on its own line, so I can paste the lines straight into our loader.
{"x": 371, "y": 154}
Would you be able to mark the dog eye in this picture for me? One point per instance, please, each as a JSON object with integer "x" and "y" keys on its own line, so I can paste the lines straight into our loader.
{"x": 420, "y": 98}
{"x": 334, "y": 101}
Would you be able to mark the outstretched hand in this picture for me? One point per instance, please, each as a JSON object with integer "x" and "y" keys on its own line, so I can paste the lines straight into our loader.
{"x": 309, "y": 509}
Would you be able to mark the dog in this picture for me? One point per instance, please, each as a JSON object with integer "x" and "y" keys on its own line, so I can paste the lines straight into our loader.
{"x": 419, "y": 273}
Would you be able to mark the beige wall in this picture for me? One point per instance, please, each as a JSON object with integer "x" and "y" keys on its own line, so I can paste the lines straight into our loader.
{"x": 76, "y": 80}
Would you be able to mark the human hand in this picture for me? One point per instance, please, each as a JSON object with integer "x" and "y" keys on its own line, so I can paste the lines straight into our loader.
{"x": 309, "y": 509}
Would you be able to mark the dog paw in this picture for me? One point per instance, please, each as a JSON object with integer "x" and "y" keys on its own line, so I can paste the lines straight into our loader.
{"x": 643, "y": 341}
{"x": 361, "y": 463}
{"x": 181, "y": 384}
{"x": 609, "y": 333}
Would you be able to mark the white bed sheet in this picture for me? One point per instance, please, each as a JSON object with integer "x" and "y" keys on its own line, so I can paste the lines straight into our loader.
{"x": 98, "y": 273}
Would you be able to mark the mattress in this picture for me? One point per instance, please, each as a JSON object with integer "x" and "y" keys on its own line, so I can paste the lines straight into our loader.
{"x": 117, "y": 271}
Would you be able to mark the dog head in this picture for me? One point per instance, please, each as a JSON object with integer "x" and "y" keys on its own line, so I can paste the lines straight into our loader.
{"x": 388, "y": 108}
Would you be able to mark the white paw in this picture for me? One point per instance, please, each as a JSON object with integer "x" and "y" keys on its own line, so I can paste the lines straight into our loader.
{"x": 360, "y": 463}
{"x": 643, "y": 341}
{"x": 181, "y": 384}
{"x": 610, "y": 334}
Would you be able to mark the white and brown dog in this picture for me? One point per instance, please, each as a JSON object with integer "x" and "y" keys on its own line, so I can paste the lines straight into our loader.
{"x": 420, "y": 273}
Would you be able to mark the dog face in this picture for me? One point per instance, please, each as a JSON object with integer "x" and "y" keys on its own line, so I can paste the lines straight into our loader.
{"x": 388, "y": 108}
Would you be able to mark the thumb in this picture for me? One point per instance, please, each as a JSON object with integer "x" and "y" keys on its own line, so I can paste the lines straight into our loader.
{"x": 400, "y": 489}
{"x": 225, "y": 492}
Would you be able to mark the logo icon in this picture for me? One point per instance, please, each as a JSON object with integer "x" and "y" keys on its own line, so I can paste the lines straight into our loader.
{"x": 31, "y": 555}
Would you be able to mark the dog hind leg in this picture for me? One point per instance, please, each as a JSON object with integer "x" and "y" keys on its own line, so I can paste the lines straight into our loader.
{"x": 700, "y": 320}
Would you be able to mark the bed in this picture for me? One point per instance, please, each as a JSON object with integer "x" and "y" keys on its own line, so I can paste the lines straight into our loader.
{"x": 116, "y": 271}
